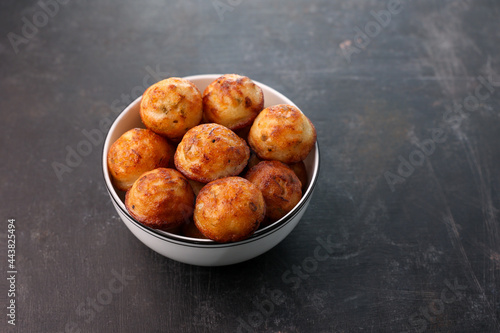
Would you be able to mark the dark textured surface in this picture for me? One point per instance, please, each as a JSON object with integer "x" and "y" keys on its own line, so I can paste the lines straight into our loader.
{"x": 422, "y": 256}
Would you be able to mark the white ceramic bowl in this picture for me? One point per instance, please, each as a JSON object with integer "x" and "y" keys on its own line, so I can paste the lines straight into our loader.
{"x": 204, "y": 252}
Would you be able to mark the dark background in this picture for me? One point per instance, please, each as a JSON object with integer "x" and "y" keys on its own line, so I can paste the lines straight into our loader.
{"x": 423, "y": 255}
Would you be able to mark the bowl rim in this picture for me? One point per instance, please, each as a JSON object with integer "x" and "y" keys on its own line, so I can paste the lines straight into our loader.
{"x": 206, "y": 243}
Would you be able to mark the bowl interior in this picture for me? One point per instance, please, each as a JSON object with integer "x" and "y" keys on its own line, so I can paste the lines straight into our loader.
{"x": 130, "y": 118}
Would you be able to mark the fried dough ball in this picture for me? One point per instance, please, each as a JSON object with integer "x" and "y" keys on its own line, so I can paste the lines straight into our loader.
{"x": 171, "y": 107}
{"x": 279, "y": 185}
{"x": 283, "y": 133}
{"x": 233, "y": 101}
{"x": 300, "y": 170}
{"x": 135, "y": 152}
{"x": 229, "y": 209}
{"x": 161, "y": 199}
{"x": 211, "y": 151}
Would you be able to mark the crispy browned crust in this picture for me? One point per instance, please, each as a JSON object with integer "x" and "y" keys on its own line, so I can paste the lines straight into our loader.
{"x": 135, "y": 152}
{"x": 229, "y": 209}
{"x": 233, "y": 101}
{"x": 171, "y": 107}
{"x": 279, "y": 185}
{"x": 300, "y": 170}
{"x": 161, "y": 199}
{"x": 211, "y": 151}
{"x": 283, "y": 133}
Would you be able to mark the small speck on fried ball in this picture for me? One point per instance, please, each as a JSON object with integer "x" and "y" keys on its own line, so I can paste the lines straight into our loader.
{"x": 135, "y": 152}
{"x": 171, "y": 107}
{"x": 161, "y": 199}
{"x": 283, "y": 133}
{"x": 229, "y": 209}
{"x": 211, "y": 151}
{"x": 232, "y": 100}
{"x": 279, "y": 185}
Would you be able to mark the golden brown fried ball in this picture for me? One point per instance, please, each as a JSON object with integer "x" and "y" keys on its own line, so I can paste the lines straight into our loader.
{"x": 229, "y": 209}
{"x": 233, "y": 101}
{"x": 283, "y": 133}
{"x": 171, "y": 107}
{"x": 161, "y": 199}
{"x": 211, "y": 151}
{"x": 300, "y": 170}
{"x": 279, "y": 185}
{"x": 135, "y": 152}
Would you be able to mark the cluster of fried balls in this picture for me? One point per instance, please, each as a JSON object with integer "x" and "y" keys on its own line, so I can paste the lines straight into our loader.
{"x": 215, "y": 165}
